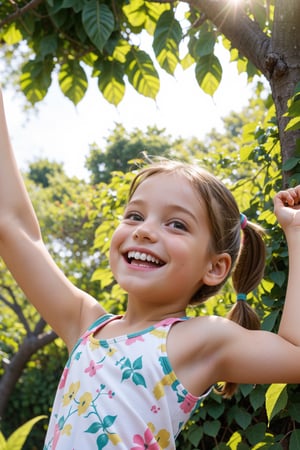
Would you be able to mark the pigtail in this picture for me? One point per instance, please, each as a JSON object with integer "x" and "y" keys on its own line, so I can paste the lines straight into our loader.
{"x": 247, "y": 275}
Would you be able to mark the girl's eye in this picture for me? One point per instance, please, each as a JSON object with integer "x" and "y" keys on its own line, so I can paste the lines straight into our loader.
{"x": 178, "y": 225}
{"x": 133, "y": 216}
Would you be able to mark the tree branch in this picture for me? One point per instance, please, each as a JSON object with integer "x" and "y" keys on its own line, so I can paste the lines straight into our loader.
{"x": 20, "y": 11}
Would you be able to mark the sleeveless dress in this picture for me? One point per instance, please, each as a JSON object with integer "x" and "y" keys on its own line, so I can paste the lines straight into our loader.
{"x": 120, "y": 394}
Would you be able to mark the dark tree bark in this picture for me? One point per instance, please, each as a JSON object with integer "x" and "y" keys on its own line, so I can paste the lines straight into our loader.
{"x": 13, "y": 369}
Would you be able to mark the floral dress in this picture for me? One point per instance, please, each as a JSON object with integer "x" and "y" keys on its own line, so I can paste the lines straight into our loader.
{"x": 120, "y": 394}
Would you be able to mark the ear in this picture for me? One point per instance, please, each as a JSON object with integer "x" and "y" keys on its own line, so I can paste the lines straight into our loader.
{"x": 218, "y": 269}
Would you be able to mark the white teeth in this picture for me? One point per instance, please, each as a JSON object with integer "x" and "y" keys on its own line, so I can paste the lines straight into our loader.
{"x": 143, "y": 257}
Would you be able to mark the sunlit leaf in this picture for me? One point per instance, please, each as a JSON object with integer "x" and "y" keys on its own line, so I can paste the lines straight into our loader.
{"x": 18, "y": 437}
{"x": 73, "y": 81}
{"x": 167, "y": 37}
{"x": 36, "y": 79}
{"x": 276, "y": 400}
{"x": 111, "y": 83}
{"x": 12, "y": 35}
{"x": 209, "y": 73}
{"x": 135, "y": 12}
{"x": 142, "y": 73}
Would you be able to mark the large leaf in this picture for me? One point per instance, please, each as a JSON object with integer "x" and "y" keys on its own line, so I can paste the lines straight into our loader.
{"x": 111, "y": 83}
{"x": 276, "y": 400}
{"x": 17, "y": 439}
{"x": 98, "y": 22}
{"x": 73, "y": 81}
{"x": 36, "y": 79}
{"x": 142, "y": 73}
{"x": 209, "y": 73}
{"x": 167, "y": 37}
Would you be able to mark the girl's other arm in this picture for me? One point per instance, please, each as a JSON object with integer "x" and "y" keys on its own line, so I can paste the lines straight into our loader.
{"x": 67, "y": 309}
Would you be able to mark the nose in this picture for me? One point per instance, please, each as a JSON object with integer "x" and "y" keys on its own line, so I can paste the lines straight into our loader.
{"x": 145, "y": 232}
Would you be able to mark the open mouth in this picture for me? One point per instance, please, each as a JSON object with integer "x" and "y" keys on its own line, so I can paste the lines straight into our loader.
{"x": 143, "y": 258}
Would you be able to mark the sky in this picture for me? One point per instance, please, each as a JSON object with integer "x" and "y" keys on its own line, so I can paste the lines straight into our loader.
{"x": 61, "y": 132}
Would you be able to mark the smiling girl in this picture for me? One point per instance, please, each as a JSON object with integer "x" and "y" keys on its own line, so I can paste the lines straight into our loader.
{"x": 133, "y": 381}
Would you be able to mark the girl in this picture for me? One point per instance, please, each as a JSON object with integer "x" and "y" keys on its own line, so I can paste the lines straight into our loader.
{"x": 133, "y": 381}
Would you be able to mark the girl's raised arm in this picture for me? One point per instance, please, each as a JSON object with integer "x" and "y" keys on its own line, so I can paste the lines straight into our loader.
{"x": 22, "y": 249}
{"x": 287, "y": 210}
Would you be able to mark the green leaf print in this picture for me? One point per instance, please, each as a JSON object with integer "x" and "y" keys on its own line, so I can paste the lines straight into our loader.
{"x": 126, "y": 374}
{"x": 108, "y": 421}
{"x": 94, "y": 428}
{"x": 130, "y": 371}
{"x": 102, "y": 441}
{"x": 138, "y": 379}
{"x": 138, "y": 364}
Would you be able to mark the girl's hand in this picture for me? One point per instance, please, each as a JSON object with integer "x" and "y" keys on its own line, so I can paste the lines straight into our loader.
{"x": 287, "y": 207}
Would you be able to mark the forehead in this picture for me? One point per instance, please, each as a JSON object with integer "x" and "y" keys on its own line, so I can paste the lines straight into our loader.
{"x": 171, "y": 187}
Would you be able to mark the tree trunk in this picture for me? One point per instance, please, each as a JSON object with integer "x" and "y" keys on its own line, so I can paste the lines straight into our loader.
{"x": 285, "y": 45}
{"x": 15, "y": 367}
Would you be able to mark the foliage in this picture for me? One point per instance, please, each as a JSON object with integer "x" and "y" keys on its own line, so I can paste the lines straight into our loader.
{"x": 124, "y": 151}
{"x": 103, "y": 39}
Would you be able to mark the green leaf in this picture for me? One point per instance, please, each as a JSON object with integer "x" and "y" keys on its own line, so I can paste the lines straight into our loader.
{"x": 167, "y": 37}
{"x": 110, "y": 81}
{"x": 291, "y": 163}
{"x": 98, "y": 22}
{"x": 18, "y": 437}
{"x": 270, "y": 320}
{"x": 295, "y": 440}
{"x": 294, "y": 124}
{"x": 142, "y": 73}
{"x": 215, "y": 410}
{"x": 276, "y": 400}
{"x": 205, "y": 44}
{"x": 278, "y": 277}
{"x": 36, "y": 79}
{"x": 209, "y": 73}
{"x": 73, "y": 81}
{"x": 212, "y": 427}
{"x": 195, "y": 434}
{"x": 48, "y": 46}
{"x": 256, "y": 433}
{"x": 242, "y": 418}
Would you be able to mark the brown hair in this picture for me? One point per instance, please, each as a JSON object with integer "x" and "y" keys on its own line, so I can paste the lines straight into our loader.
{"x": 247, "y": 255}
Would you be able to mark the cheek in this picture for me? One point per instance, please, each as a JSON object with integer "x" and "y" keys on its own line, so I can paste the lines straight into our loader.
{"x": 114, "y": 249}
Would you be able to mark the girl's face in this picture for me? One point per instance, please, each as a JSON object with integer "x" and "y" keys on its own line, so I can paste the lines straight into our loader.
{"x": 160, "y": 250}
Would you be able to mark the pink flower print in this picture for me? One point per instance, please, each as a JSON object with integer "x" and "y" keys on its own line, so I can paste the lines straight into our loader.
{"x": 132, "y": 340}
{"x": 63, "y": 378}
{"x": 147, "y": 442}
{"x": 85, "y": 338}
{"x": 92, "y": 369}
{"x": 110, "y": 394}
{"x": 56, "y": 436}
{"x": 188, "y": 404}
{"x": 155, "y": 409}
